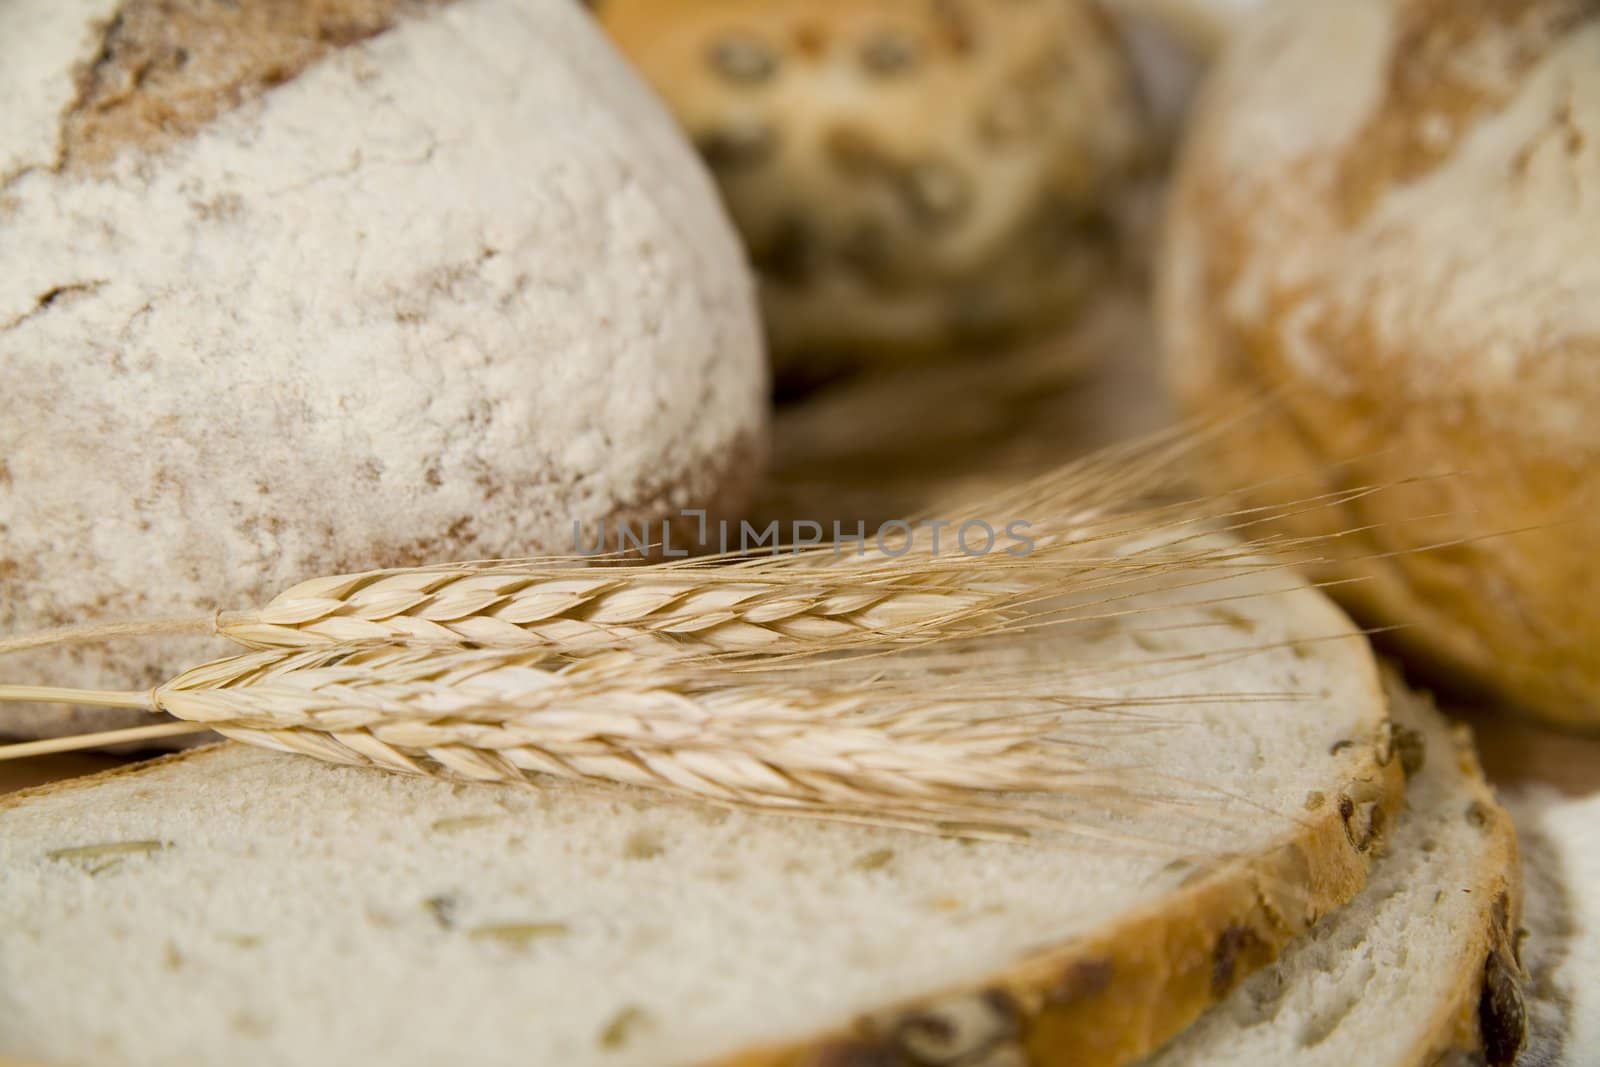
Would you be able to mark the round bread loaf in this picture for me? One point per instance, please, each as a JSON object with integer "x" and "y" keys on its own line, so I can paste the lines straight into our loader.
{"x": 908, "y": 175}
{"x": 1386, "y": 221}
{"x": 298, "y": 287}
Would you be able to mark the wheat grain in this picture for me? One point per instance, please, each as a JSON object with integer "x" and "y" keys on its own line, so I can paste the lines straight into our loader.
{"x": 843, "y": 741}
{"x": 809, "y": 602}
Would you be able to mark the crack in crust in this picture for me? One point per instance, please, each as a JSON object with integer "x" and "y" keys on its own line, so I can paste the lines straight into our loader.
{"x": 1441, "y": 81}
{"x": 165, "y": 68}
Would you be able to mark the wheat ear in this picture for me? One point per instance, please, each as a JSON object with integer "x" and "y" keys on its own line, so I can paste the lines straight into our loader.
{"x": 859, "y": 746}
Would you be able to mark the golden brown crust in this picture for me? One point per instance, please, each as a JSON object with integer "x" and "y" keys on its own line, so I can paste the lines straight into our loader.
{"x": 1112, "y": 998}
{"x": 165, "y": 68}
{"x": 1488, "y": 1020}
{"x": 1295, "y": 277}
{"x": 1432, "y": 98}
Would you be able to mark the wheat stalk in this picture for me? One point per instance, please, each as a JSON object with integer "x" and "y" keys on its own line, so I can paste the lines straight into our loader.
{"x": 845, "y": 742}
{"x": 810, "y": 601}
{"x": 1101, "y": 533}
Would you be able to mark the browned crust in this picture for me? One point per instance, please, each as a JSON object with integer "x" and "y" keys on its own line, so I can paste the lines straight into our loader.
{"x": 165, "y": 68}
{"x": 1486, "y": 1021}
{"x": 1427, "y": 82}
{"x": 1111, "y": 998}
{"x": 1480, "y": 566}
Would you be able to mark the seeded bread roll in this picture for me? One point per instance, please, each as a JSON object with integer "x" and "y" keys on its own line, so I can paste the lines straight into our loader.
{"x": 297, "y": 287}
{"x": 907, "y": 175}
{"x": 1386, "y": 221}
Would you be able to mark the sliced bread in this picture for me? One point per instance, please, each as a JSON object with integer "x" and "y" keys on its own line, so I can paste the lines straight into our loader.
{"x": 1422, "y": 968}
{"x": 1561, "y": 836}
{"x": 244, "y": 906}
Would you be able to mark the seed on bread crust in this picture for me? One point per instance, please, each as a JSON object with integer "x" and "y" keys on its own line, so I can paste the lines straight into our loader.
{"x": 954, "y": 127}
{"x": 1502, "y": 1013}
{"x": 1363, "y": 822}
{"x": 743, "y": 60}
{"x": 1233, "y": 943}
{"x": 964, "y": 1030}
{"x": 738, "y": 145}
{"x": 888, "y": 54}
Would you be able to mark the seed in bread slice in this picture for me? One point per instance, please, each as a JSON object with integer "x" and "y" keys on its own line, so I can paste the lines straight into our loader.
{"x": 1422, "y": 968}
{"x": 307, "y": 913}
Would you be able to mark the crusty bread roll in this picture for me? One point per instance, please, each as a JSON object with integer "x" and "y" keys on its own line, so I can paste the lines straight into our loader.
{"x": 1387, "y": 220}
{"x": 908, "y": 175}
{"x": 297, "y": 287}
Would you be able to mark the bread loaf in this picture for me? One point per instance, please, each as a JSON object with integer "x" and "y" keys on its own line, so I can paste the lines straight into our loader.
{"x": 1385, "y": 223}
{"x": 315, "y": 914}
{"x": 297, "y": 287}
{"x": 908, "y": 175}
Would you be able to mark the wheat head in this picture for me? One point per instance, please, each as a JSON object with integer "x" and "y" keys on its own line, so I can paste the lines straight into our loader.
{"x": 857, "y": 745}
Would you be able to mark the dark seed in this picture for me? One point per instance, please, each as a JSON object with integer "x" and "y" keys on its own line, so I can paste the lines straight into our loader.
{"x": 935, "y": 193}
{"x": 1412, "y": 748}
{"x": 738, "y": 147}
{"x": 1236, "y": 941}
{"x": 854, "y": 152}
{"x": 743, "y": 60}
{"x": 1502, "y": 1012}
{"x": 1013, "y": 118}
{"x": 889, "y": 54}
{"x": 793, "y": 254}
{"x": 865, "y": 249}
{"x": 1081, "y": 980}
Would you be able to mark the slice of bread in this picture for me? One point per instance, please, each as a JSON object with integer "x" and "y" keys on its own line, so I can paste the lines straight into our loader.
{"x": 1422, "y": 968}
{"x": 243, "y": 906}
{"x": 1561, "y": 838}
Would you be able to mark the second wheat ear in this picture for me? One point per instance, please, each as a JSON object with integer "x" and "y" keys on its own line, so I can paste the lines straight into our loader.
{"x": 859, "y": 743}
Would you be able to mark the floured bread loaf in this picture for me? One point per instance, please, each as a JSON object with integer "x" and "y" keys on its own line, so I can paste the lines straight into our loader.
{"x": 307, "y": 913}
{"x": 1422, "y": 968}
{"x": 908, "y": 175}
{"x": 1385, "y": 221}
{"x": 298, "y": 287}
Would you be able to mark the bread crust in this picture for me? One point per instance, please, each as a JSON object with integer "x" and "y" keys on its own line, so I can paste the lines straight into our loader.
{"x": 1486, "y": 1019}
{"x": 1348, "y": 264}
{"x": 1112, "y": 998}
